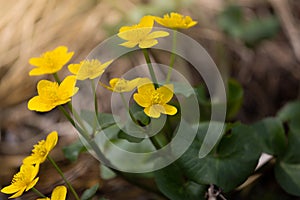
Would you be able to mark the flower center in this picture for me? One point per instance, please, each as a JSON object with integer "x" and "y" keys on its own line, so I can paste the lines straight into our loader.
{"x": 156, "y": 98}
{"x": 39, "y": 149}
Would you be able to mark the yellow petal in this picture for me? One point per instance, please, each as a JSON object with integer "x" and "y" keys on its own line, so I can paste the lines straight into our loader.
{"x": 147, "y": 21}
{"x": 147, "y": 43}
{"x": 39, "y": 104}
{"x": 169, "y": 110}
{"x": 59, "y": 193}
{"x": 166, "y": 93}
{"x": 32, "y": 184}
{"x": 74, "y": 68}
{"x": 154, "y": 110}
{"x": 129, "y": 44}
{"x": 10, "y": 189}
{"x": 67, "y": 87}
{"x": 142, "y": 100}
{"x": 36, "y": 72}
{"x": 157, "y": 34}
{"x": 18, "y": 194}
{"x": 51, "y": 140}
{"x": 31, "y": 160}
{"x": 47, "y": 88}
{"x": 146, "y": 89}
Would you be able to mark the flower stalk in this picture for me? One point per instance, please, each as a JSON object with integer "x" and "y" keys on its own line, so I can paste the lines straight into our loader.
{"x": 150, "y": 67}
{"x": 63, "y": 177}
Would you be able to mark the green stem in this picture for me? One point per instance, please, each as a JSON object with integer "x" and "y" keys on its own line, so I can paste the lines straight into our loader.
{"x": 67, "y": 115}
{"x": 95, "y": 96}
{"x": 85, "y": 135}
{"x": 172, "y": 61}
{"x": 127, "y": 108}
{"x": 38, "y": 192}
{"x": 56, "y": 78}
{"x": 63, "y": 177}
{"x": 150, "y": 67}
{"x": 76, "y": 116}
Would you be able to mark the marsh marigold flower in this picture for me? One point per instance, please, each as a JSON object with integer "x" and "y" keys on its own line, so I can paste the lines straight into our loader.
{"x": 88, "y": 69}
{"x": 42, "y": 149}
{"x": 122, "y": 85}
{"x": 51, "y": 94}
{"x": 175, "y": 21}
{"x": 51, "y": 61}
{"x": 155, "y": 100}
{"x": 59, "y": 193}
{"x": 24, "y": 180}
{"x": 140, "y": 34}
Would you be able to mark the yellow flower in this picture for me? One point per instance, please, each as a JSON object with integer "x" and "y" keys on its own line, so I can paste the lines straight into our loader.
{"x": 121, "y": 85}
{"x": 175, "y": 20}
{"x": 59, "y": 193}
{"x": 88, "y": 69}
{"x": 140, "y": 34}
{"x": 155, "y": 100}
{"x": 50, "y": 94}
{"x": 24, "y": 180}
{"x": 42, "y": 149}
{"x": 51, "y": 61}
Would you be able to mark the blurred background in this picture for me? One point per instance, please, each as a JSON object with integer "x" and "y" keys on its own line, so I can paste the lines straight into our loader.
{"x": 255, "y": 41}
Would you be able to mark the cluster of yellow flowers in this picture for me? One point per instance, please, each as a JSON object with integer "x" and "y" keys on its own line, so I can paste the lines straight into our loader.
{"x": 153, "y": 98}
{"x": 140, "y": 34}
{"x": 26, "y": 178}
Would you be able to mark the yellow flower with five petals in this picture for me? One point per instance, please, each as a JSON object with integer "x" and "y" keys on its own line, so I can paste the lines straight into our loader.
{"x": 140, "y": 34}
{"x": 154, "y": 100}
{"x": 59, "y": 193}
{"x": 175, "y": 21}
{"x": 51, "y": 94}
{"x": 120, "y": 85}
{"x": 42, "y": 149}
{"x": 22, "y": 181}
{"x": 51, "y": 61}
{"x": 88, "y": 69}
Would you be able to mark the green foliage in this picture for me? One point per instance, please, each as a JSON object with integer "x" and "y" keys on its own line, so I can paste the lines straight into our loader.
{"x": 229, "y": 164}
{"x": 172, "y": 183}
{"x": 252, "y": 31}
{"x": 89, "y": 193}
{"x": 234, "y": 100}
{"x": 72, "y": 151}
{"x": 287, "y": 169}
{"x": 271, "y": 136}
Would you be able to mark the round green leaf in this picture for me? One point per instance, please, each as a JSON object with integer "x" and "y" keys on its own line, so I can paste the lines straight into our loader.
{"x": 271, "y": 136}
{"x": 172, "y": 183}
{"x": 229, "y": 164}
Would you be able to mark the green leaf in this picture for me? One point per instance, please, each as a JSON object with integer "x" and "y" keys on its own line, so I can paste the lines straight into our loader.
{"x": 172, "y": 183}
{"x": 204, "y": 102}
{"x": 288, "y": 176}
{"x": 287, "y": 169}
{"x": 234, "y": 98}
{"x": 106, "y": 173}
{"x": 129, "y": 138}
{"x": 229, "y": 164}
{"x": 289, "y": 111}
{"x": 251, "y": 31}
{"x": 271, "y": 136}
{"x": 231, "y": 20}
{"x": 72, "y": 151}
{"x": 89, "y": 193}
{"x": 258, "y": 30}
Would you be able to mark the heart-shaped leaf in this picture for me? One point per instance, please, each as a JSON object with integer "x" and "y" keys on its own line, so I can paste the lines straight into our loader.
{"x": 229, "y": 164}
